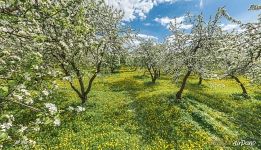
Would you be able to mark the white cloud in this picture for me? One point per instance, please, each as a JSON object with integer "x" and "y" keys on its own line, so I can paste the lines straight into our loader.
{"x": 186, "y": 26}
{"x": 136, "y": 41}
{"x": 147, "y": 24}
{"x": 201, "y": 4}
{"x": 145, "y": 36}
{"x": 165, "y": 21}
{"x": 229, "y": 27}
{"x": 135, "y": 8}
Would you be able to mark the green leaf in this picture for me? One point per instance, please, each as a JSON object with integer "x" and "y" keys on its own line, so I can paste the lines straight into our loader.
{"x": 3, "y": 136}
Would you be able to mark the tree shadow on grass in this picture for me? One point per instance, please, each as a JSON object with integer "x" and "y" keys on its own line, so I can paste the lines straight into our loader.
{"x": 244, "y": 117}
{"x": 257, "y": 95}
{"x": 128, "y": 85}
{"x": 153, "y": 119}
{"x": 148, "y": 112}
{"x": 195, "y": 87}
{"x": 141, "y": 77}
{"x": 150, "y": 84}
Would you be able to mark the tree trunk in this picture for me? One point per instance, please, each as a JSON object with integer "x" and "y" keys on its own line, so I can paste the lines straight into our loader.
{"x": 155, "y": 76}
{"x": 153, "y": 80}
{"x": 244, "y": 91}
{"x": 84, "y": 98}
{"x": 200, "y": 80}
{"x": 179, "y": 93}
{"x": 112, "y": 69}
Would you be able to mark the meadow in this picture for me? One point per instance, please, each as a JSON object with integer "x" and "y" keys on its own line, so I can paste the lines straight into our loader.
{"x": 126, "y": 111}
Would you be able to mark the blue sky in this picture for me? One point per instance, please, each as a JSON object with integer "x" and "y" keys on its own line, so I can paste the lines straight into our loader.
{"x": 141, "y": 14}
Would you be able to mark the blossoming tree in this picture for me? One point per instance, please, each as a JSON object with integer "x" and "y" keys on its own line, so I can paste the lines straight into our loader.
{"x": 149, "y": 55}
{"x": 189, "y": 50}
{"x": 79, "y": 38}
{"x": 23, "y": 69}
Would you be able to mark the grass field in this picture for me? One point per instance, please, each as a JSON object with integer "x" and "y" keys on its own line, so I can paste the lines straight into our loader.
{"x": 125, "y": 111}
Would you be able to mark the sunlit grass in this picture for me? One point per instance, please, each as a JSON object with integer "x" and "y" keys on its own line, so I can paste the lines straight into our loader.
{"x": 126, "y": 111}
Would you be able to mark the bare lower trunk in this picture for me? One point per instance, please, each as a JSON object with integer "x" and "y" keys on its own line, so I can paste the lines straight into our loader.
{"x": 112, "y": 69}
{"x": 153, "y": 80}
{"x": 84, "y": 99}
{"x": 200, "y": 80}
{"x": 154, "y": 74}
{"x": 88, "y": 88}
{"x": 244, "y": 91}
{"x": 184, "y": 81}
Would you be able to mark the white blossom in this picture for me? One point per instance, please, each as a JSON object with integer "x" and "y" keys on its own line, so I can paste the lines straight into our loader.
{"x": 51, "y": 107}
{"x": 25, "y": 92}
{"x": 5, "y": 126}
{"x": 29, "y": 101}
{"x": 27, "y": 77}
{"x": 19, "y": 97}
{"x": 70, "y": 108}
{"x": 17, "y": 142}
{"x": 38, "y": 121}
{"x": 36, "y": 128}
{"x": 36, "y": 67}
{"x": 67, "y": 78}
{"x": 79, "y": 109}
{"x": 22, "y": 129}
{"x": 46, "y": 92}
{"x": 57, "y": 122}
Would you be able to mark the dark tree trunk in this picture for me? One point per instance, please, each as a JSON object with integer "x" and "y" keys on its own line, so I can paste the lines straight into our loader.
{"x": 154, "y": 74}
{"x": 112, "y": 70}
{"x": 184, "y": 81}
{"x": 149, "y": 69}
{"x": 200, "y": 80}
{"x": 244, "y": 91}
{"x": 153, "y": 80}
{"x": 85, "y": 98}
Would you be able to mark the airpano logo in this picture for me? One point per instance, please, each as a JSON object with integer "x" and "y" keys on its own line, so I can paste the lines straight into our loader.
{"x": 244, "y": 143}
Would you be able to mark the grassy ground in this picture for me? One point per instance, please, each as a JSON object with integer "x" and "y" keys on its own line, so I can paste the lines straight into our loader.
{"x": 126, "y": 112}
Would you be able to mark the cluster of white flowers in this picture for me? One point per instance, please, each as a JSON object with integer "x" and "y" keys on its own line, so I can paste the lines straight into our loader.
{"x": 78, "y": 109}
{"x": 70, "y": 108}
{"x": 22, "y": 129}
{"x": 25, "y": 141}
{"x": 51, "y": 107}
{"x": 45, "y": 92}
{"x": 26, "y": 92}
{"x": 18, "y": 97}
{"x": 38, "y": 121}
{"x": 57, "y": 121}
{"x": 6, "y": 125}
{"x": 29, "y": 101}
{"x": 36, "y": 67}
{"x": 67, "y": 78}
